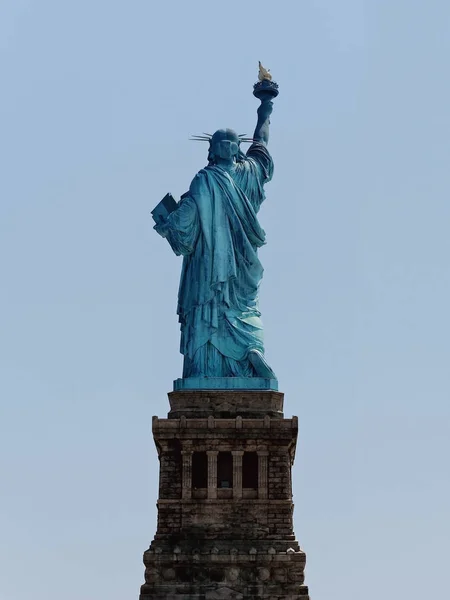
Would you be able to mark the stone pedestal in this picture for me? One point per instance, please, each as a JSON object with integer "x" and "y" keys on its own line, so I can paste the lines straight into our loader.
{"x": 225, "y": 508}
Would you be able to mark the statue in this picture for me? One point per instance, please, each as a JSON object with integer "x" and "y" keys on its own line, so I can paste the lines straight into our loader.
{"x": 216, "y": 230}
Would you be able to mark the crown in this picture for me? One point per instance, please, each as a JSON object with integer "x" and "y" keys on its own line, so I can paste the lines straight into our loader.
{"x": 206, "y": 137}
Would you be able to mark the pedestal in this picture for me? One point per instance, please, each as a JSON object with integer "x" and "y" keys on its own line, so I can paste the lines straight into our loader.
{"x": 225, "y": 527}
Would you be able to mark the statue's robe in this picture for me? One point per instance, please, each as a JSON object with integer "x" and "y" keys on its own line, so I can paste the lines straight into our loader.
{"x": 217, "y": 231}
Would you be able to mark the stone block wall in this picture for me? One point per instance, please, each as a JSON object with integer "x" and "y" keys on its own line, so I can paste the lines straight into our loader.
{"x": 224, "y": 540}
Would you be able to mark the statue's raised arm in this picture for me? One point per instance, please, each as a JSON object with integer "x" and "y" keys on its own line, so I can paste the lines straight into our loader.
{"x": 265, "y": 90}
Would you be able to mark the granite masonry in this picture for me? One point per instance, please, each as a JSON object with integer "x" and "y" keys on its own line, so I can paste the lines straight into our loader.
{"x": 225, "y": 511}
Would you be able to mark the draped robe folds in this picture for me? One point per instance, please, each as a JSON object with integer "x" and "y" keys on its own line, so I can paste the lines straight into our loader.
{"x": 216, "y": 229}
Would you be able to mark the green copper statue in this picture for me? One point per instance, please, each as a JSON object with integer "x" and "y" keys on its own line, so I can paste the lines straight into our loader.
{"x": 216, "y": 229}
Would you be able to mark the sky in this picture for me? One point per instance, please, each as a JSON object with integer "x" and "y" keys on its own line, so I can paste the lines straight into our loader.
{"x": 98, "y": 101}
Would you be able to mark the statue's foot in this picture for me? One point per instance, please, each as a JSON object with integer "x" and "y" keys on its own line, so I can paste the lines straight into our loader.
{"x": 260, "y": 365}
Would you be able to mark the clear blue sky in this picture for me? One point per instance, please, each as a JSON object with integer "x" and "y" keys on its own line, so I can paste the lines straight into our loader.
{"x": 98, "y": 101}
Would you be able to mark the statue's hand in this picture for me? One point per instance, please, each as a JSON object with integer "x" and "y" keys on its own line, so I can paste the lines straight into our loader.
{"x": 265, "y": 108}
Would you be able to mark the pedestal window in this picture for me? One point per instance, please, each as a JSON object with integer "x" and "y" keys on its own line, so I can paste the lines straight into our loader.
{"x": 224, "y": 470}
{"x": 199, "y": 475}
{"x": 250, "y": 470}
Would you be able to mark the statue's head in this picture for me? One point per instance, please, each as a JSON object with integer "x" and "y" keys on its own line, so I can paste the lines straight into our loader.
{"x": 224, "y": 144}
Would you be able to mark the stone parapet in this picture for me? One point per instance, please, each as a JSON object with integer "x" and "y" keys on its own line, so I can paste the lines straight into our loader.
{"x": 226, "y": 403}
{"x": 238, "y": 426}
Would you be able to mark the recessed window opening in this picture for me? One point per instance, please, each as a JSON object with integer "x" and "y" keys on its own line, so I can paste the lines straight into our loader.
{"x": 224, "y": 470}
{"x": 250, "y": 470}
{"x": 199, "y": 470}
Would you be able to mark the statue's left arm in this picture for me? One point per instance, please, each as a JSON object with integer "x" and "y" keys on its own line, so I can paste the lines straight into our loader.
{"x": 182, "y": 227}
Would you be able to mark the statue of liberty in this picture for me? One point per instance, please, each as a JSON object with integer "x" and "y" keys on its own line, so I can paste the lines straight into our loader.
{"x": 216, "y": 229}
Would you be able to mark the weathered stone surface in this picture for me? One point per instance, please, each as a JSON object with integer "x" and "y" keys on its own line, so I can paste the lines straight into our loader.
{"x": 223, "y": 540}
{"x": 226, "y": 403}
